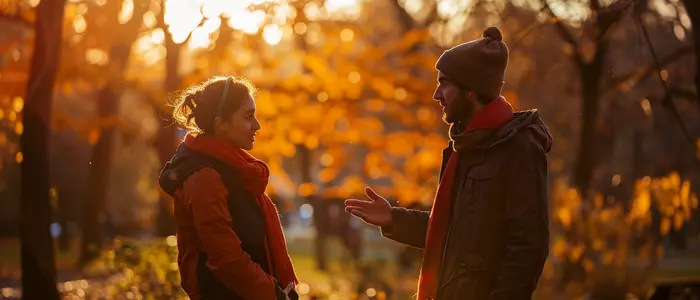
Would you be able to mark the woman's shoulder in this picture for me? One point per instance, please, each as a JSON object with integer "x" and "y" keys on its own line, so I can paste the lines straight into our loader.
{"x": 215, "y": 176}
{"x": 205, "y": 176}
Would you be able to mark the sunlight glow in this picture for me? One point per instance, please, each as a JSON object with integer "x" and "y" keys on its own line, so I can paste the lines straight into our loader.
{"x": 300, "y": 28}
{"x": 182, "y": 16}
{"x": 213, "y": 8}
{"x": 412, "y": 6}
{"x": 450, "y": 8}
{"x": 126, "y": 12}
{"x": 96, "y": 56}
{"x": 149, "y": 19}
{"x": 157, "y": 36}
{"x": 200, "y": 36}
{"x": 246, "y": 21}
{"x": 144, "y": 43}
{"x": 154, "y": 55}
{"x": 343, "y": 8}
{"x": 79, "y": 24}
{"x": 272, "y": 34}
{"x": 347, "y": 35}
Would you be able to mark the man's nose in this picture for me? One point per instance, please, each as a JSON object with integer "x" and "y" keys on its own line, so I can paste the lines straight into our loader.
{"x": 437, "y": 95}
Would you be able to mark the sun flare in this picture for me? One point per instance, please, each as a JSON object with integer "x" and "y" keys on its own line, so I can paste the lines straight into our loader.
{"x": 184, "y": 17}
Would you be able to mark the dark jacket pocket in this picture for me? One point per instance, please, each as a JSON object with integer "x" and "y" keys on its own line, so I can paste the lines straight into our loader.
{"x": 476, "y": 186}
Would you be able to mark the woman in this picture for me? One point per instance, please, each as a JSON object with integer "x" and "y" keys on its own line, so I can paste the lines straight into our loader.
{"x": 229, "y": 237}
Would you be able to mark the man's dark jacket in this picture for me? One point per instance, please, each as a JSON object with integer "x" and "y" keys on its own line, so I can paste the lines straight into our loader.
{"x": 498, "y": 239}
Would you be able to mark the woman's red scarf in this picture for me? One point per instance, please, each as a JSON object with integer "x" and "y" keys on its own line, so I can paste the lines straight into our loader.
{"x": 255, "y": 175}
{"x": 494, "y": 115}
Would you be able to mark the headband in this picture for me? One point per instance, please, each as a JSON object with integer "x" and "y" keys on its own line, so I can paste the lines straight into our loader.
{"x": 223, "y": 96}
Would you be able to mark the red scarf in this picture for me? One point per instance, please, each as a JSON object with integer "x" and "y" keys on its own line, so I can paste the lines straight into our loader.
{"x": 255, "y": 174}
{"x": 493, "y": 116}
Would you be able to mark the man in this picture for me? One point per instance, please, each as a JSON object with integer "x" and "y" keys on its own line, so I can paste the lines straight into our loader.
{"x": 487, "y": 234}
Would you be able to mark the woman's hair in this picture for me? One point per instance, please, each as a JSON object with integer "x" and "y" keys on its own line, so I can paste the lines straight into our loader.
{"x": 197, "y": 107}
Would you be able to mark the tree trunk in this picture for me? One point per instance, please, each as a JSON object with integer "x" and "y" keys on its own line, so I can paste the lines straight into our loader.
{"x": 693, "y": 9}
{"x": 37, "y": 252}
{"x": 94, "y": 215}
{"x": 588, "y": 138}
{"x": 166, "y": 141}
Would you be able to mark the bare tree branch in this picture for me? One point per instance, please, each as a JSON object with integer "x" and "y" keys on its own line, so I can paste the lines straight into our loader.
{"x": 527, "y": 31}
{"x": 565, "y": 34}
{"x": 632, "y": 78}
{"x": 609, "y": 16}
{"x": 682, "y": 93}
{"x": 161, "y": 24}
{"x": 432, "y": 15}
{"x": 405, "y": 18}
{"x": 140, "y": 8}
{"x": 189, "y": 35}
{"x": 667, "y": 100}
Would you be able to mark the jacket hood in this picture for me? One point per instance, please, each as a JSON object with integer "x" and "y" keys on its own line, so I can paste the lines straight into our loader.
{"x": 180, "y": 166}
{"x": 525, "y": 120}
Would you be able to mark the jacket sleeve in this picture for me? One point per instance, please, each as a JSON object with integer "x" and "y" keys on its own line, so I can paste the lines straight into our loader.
{"x": 410, "y": 227}
{"x": 527, "y": 225}
{"x": 207, "y": 195}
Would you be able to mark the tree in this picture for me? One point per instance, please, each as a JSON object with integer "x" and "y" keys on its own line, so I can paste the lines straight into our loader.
{"x": 591, "y": 48}
{"x": 38, "y": 262}
{"x": 693, "y": 10}
{"x": 119, "y": 52}
{"x": 165, "y": 139}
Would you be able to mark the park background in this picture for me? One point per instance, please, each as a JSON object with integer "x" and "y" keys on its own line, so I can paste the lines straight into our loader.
{"x": 345, "y": 101}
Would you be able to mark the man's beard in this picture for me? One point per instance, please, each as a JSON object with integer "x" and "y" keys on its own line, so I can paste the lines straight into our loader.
{"x": 461, "y": 110}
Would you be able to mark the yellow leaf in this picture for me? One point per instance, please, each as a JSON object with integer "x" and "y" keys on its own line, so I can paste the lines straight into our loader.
{"x": 588, "y": 265}
{"x": 17, "y": 104}
{"x": 19, "y": 128}
{"x": 659, "y": 251}
{"x": 375, "y": 105}
{"x": 296, "y": 136}
{"x": 665, "y": 226}
{"x": 678, "y": 220}
{"x": 598, "y": 244}
{"x": 564, "y": 217}
{"x": 576, "y": 253}
{"x": 608, "y": 257}
{"x": 306, "y": 189}
{"x": 311, "y": 142}
{"x": 93, "y": 136}
{"x": 327, "y": 174}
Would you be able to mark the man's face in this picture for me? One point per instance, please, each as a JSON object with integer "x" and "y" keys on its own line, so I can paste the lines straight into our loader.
{"x": 456, "y": 105}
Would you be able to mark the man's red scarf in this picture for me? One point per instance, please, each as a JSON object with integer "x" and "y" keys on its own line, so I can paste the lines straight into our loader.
{"x": 255, "y": 174}
{"x": 492, "y": 116}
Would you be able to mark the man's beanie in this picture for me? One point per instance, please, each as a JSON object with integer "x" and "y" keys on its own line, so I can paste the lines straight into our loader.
{"x": 479, "y": 65}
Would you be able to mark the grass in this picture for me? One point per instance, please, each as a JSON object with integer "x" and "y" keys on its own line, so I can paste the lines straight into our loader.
{"x": 342, "y": 280}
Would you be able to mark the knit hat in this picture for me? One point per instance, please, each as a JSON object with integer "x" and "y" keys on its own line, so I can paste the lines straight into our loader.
{"x": 479, "y": 65}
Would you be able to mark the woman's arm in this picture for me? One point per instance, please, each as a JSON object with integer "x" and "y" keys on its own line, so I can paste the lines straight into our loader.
{"x": 207, "y": 195}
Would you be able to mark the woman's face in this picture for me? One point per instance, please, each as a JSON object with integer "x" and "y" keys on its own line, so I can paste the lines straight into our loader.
{"x": 240, "y": 128}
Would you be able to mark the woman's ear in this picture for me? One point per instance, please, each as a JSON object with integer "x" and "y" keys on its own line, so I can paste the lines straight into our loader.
{"x": 219, "y": 125}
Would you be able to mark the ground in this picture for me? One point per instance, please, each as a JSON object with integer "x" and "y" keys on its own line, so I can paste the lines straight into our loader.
{"x": 147, "y": 270}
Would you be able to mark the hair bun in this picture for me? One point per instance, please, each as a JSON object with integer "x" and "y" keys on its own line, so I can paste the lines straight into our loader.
{"x": 493, "y": 33}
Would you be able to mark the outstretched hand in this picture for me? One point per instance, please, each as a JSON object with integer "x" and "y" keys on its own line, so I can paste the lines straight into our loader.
{"x": 375, "y": 211}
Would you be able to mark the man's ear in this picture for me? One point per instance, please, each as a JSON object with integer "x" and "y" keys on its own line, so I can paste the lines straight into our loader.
{"x": 470, "y": 94}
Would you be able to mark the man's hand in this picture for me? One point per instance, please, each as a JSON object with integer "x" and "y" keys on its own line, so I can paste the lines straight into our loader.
{"x": 376, "y": 211}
